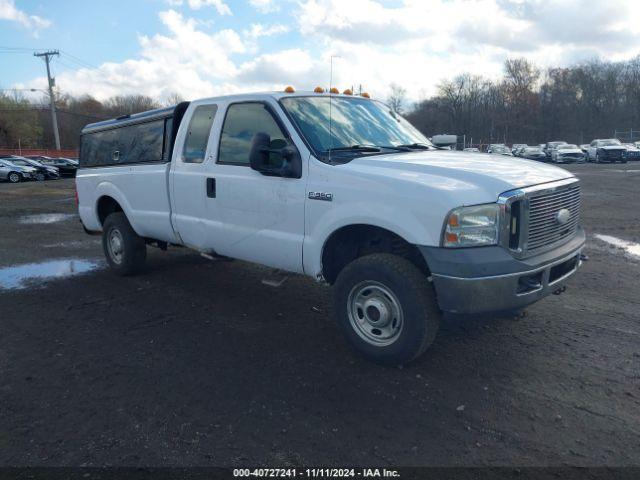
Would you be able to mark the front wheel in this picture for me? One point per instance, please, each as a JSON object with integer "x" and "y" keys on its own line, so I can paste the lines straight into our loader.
{"x": 386, "y": 308}
{"x": 15, "y": 177}
{"x": 124, "y": 249}
{"x": 40, "y": 177}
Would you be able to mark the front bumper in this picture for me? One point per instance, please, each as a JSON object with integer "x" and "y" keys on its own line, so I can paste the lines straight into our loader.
{"x": 489, "y": 279}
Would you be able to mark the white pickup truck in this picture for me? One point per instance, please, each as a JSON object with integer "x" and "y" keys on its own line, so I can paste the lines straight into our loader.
{"x": 339, "y": 188}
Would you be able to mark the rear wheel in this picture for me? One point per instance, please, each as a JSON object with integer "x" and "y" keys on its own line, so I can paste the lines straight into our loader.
{"x": 40, "y": 177}
{"x": 386, "y": 308}
{"x": 14, "y": 177}
{"x": 124, "y": 249}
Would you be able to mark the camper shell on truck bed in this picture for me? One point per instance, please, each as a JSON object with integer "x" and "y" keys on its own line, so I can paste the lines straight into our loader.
{"x": 145, "y": 137}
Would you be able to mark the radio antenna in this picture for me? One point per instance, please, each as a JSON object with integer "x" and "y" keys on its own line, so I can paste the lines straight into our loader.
{"x": 330, "y": 106}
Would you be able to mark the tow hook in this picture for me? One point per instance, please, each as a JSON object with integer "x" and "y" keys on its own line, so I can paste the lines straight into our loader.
{"x": 560, "y": 290}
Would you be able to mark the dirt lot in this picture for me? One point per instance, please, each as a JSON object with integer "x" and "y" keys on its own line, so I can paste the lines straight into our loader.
{"x": 198, "y": 363}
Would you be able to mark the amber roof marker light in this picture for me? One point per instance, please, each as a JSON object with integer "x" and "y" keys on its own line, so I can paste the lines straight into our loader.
{"x": 334, "y": 90}
{"x": 365, "y": 95}
{"x": 318, "y": 90}
{"x": 289, "y": 89}
{"x": 347, "y": 92}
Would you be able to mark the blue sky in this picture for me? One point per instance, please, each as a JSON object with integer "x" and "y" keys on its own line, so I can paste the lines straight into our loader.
{"x": 201, "y": 48}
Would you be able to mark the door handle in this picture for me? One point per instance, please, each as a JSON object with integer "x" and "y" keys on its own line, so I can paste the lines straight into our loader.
{"x": 211, "y": 187}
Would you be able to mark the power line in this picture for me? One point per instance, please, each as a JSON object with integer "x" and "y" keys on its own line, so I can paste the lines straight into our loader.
{"x": 78, "y": 60}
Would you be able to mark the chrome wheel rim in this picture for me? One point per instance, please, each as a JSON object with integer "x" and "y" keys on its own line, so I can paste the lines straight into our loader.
{"x": 115, "y": 245}
{"x": 14, "y": 178}
{"x": 375, "y": 313}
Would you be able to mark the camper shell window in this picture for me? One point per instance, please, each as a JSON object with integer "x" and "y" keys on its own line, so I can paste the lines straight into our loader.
{"x": 142, "y": 138}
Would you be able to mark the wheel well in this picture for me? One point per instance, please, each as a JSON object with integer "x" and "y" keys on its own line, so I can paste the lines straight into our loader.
{"x": 354, "y": 241}
{"x": 107, "y": 206}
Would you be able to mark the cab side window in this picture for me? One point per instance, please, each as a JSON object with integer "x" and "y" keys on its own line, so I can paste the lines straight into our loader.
{"x": 195, "y": 145}
{"x": 242, "y": 122}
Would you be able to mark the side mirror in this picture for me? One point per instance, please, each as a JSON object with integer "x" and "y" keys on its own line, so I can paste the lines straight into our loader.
{"x": 260, "y": 157}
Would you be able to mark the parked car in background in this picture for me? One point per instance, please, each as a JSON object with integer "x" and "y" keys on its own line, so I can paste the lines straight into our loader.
{"x": 606, "y": 150}
{"x": 534, "y": 153}
{"x": 517, "y": 148}
{"x": 567, "y": 153}
{"x": 550, "y": 146}
{"x": 633, "y": 152}
{"x": 43, "y": 172}
{"x": 472, "y": 149}
{"x": 15, "y": 173}
{"x": 66, "y": 166}
{"x": 500, "y": 150}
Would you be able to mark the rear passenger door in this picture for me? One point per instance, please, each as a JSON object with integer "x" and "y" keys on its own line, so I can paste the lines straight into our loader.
{"x": 192, "y": 182}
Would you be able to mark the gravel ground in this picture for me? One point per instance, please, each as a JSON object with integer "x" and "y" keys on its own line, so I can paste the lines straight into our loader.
{"x": 198, "y": 363}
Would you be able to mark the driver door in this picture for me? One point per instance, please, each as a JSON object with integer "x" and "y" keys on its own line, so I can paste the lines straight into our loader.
{"x": 262, "y": 217}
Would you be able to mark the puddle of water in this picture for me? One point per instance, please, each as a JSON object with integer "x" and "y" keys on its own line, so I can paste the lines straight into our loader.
{"x": 45, "y": 218}
{"x": 20, "y": 276}
{"x": 72, "y": 244}
{"x": 628, "y": 247}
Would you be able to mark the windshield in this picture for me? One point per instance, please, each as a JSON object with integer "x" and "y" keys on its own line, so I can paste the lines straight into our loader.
{"x": 19, "y": 161}
{"x": 568, "y": 146}
{"x": 610, "y": 142}
{"x": 533, "y": 150}
{"x": 355, "y": 122}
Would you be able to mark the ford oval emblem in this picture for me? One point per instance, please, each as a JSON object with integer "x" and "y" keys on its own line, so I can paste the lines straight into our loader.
{"x": 563, "y": 216}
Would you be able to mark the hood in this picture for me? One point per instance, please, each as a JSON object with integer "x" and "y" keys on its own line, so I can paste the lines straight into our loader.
{"x": 27, "y": 169}
{"x": 612, "y": 147}
{"x": 448, "y": 170}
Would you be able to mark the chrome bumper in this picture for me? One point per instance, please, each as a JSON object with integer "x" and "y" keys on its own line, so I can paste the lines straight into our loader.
{"x": 505, "y": 292}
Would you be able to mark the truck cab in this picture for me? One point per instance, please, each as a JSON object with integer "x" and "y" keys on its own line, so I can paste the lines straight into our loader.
{"x": 342, "y": 189}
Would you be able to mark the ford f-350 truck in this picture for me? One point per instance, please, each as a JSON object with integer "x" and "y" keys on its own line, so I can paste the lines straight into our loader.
{"x": 340, "y": 188}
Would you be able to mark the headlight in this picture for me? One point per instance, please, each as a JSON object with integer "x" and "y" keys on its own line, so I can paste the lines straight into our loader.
{"x": 472, "y": 226}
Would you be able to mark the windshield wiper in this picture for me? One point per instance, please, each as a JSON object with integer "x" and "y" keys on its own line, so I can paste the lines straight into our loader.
{"x": 415, "y": 146}
{"x": 356, "y": 148}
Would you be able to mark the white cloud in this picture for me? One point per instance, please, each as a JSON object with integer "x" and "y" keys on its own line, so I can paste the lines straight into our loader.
{"x": 221, "y": 7}
{"x": 258, "y": 30}
{"x": 9, "y": 11}
{"x": 265, "y": 6}
{"x": 414, "y": 43}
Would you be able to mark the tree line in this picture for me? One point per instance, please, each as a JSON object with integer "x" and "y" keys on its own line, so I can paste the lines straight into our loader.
{"x": 27, "y": 124}
{"x": 533, "y": 105}
{"x": 526, "y": 105}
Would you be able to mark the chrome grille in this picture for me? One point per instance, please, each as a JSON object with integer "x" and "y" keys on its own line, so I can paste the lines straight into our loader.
{"x": 544, "y": 229}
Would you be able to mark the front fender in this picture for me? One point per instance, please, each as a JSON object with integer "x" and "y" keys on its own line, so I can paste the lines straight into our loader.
{"x": 403, "y": 223}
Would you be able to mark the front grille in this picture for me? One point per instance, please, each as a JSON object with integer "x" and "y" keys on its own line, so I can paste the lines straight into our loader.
{"x": 613, "y": 153}
{"x": 571, "y": 155}
{"x": 544, "y": 229}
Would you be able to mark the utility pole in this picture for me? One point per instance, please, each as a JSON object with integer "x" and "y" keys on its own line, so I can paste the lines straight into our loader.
{"x": 54, "y": 118}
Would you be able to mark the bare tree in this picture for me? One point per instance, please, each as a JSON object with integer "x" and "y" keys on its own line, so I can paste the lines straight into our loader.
{"x": 397, "y": 98}
{"x": 172, "y": 99}
{"x": 130, "y": 104}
